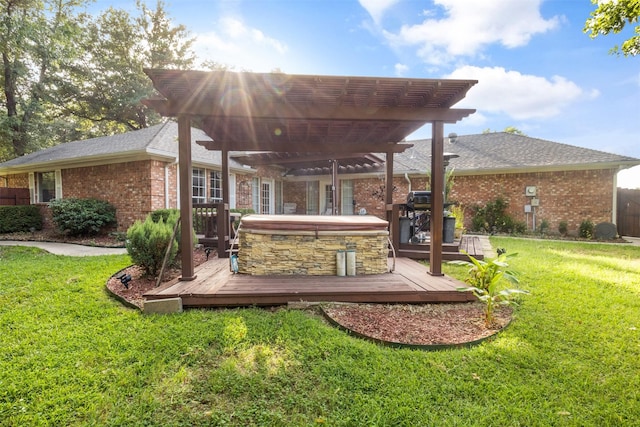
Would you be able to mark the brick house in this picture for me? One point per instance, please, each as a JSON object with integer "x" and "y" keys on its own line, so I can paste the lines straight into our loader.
{"x": 137, "y": 173}
{"x": 553, "y": 181}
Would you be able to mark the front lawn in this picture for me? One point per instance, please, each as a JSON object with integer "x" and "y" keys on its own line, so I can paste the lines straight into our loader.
{"x": 71, "y": 355}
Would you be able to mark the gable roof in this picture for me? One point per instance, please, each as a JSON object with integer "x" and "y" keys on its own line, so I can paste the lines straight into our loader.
{"x": 159, "y": 141}
{"x": 503, "y": 152}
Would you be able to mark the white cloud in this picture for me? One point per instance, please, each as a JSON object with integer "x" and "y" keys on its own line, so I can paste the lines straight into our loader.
{"x": 376, "y": 8}
{"x": 468, "y": 26}
{"x": 520, "y": 96}
{"x": 401, "y": 69}
{"x": 238, "y": 45}
{"x": 629, "y": 178}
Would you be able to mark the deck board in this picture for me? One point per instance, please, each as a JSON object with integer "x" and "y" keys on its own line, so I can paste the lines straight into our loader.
{"x": 216, "y": 286}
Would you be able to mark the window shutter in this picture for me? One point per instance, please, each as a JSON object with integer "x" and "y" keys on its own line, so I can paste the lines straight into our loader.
{"x": 58, "y": 175}
{"x": 32, "y": 188}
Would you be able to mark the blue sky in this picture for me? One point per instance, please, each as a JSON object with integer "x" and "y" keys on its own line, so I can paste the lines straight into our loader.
{"x": 537, "y": 69}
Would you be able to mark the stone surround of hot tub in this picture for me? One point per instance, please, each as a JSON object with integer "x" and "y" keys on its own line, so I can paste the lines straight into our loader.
{"x": 307, "y": 244}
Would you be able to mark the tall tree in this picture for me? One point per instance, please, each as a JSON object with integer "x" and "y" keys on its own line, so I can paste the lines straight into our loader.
{"x": 106, "y": 84}
{"x": 611, "y": 16}
{"x": 67, "y": 75}
{"x": 35, "y": 38}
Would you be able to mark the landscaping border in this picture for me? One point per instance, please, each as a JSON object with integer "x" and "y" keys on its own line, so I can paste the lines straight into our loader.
{"x": 400, "y": 345}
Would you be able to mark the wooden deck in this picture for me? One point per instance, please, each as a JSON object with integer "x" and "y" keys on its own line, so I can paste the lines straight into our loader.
{"x": 450, "y": 251}
{"x": 216, "y": 286}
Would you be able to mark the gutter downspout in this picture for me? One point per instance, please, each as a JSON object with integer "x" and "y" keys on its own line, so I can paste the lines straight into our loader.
{"x": 614, "y": 207}
{"x": 406, "y": 176}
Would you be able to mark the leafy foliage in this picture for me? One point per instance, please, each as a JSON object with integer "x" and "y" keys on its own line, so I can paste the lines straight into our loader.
{"x": 147, "y": 242}
{"x": 563, "y": 228}
{"x": 612, "y": 17}
{"x": 82, "y": 217}
{"x": 485, "y": 277}
{"x": 57, "y": 62}
{"x": 493, "y": 217}
{"x": 19, "y": 218}
{"x": 586, "y": 229}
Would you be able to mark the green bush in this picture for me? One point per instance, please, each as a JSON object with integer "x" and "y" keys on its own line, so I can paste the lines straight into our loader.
{"x": 165, "y": 215}
{"x": 543, "y": 228}
{"x": 493, "y": 217}
{"x": 147, "y": 243}
{"x": 563, "y": 228}
{"x": 586, "y": 229}
{"x": 19, "y": 218}
{"x": 82, "y": 217}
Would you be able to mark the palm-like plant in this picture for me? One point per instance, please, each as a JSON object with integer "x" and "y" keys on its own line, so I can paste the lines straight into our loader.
{"x": 484, "y": 278}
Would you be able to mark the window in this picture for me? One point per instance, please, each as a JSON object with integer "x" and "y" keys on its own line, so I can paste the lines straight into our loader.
{"x": 346, "y": 194}
{"x": 255, "y": 194}
{"x": 215, "y": 186}
{"x": 313, "y": 195}
{"x": 198, "y": 184}
{"x": 328, "y": 199}
{"x": 265, "y": 198}
{"x": 46, "y": 186}
{"x": 278, "y": 197}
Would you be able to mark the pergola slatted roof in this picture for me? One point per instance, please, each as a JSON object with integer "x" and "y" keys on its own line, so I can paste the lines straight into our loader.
{"x": 294, "y": 113}
{"x": 302, "y": 116}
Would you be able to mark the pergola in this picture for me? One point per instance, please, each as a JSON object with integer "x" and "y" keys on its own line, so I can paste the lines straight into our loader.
{"x": 305, "y": 118}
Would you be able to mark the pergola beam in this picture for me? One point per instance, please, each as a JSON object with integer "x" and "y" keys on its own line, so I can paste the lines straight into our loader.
{"x": 284, "y": 111}
{"x": 286, "y": 147}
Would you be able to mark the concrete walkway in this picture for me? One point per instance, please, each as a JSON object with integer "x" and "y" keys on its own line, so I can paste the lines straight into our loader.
{"x": 67, "y": 248}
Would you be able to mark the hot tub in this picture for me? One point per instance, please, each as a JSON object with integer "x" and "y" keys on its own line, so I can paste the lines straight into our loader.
{"x": 307, "y": 244}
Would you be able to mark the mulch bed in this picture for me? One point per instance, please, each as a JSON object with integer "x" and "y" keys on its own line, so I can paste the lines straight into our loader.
{"x": 421, "y": 324}
{"x": 142, "y": 283}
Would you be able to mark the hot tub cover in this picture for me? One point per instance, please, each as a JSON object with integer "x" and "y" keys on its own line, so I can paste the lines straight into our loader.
{"x": 314, "y": 223}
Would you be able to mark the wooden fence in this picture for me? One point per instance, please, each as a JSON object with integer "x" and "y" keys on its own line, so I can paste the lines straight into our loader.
{"x": 629, "y": 212}
{"x": 14, "y": 196}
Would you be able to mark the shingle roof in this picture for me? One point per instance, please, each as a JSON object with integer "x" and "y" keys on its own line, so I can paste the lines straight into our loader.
{"x": 159, "y": 140}
{"x": 502, "y": 151}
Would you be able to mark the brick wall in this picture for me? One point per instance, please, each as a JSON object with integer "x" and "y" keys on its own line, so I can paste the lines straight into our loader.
{"x": 132, "y": 187}
{"x": 571, "y": 196}
{"x": 295, "y": 192}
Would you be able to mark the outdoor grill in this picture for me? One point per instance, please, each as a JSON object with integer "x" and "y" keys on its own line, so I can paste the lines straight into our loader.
{"x": 419, "y": 200}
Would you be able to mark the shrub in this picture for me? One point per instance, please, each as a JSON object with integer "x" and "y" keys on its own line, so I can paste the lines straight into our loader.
{"x": 82, "y": 217}
{"x": 19, "y": 218}
{"x": 493, "y": 217}
{"x": 544, "y": 226}
{"x": 147, "y": 244}
{"x": 563, "y": 228}
{"x": 586, "y": 229}
{"x": 165, "y": 214}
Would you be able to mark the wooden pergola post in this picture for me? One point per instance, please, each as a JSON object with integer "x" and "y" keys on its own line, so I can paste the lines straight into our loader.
{"x": 223, "y": 222}
{"x": 186, "y": 195}
{"x": 437, "y": 197}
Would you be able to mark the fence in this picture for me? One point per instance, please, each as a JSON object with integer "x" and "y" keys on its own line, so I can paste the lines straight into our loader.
{"x": 14, "y": 196}
{"x": 629, "y": 212}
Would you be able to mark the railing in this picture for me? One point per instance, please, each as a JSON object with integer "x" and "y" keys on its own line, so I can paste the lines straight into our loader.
{"x": 14, "y": 196}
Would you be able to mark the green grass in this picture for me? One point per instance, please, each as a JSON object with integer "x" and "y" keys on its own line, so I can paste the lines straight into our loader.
{"x": 71, "y": 355}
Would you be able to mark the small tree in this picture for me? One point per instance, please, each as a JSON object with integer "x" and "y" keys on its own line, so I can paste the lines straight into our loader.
{"x": 147, "y": 244}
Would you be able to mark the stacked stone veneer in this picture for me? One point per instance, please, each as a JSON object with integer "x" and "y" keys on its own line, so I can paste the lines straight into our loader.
{"x": 303, "y": 253}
